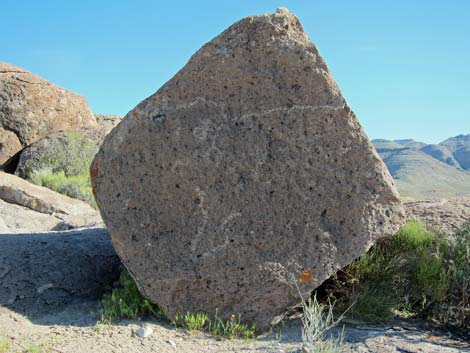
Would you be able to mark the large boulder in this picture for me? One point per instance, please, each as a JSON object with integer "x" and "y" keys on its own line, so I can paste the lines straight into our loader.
{"x": 78, "y": 143}
{"x": 26, "y": 208}
{"x": 32, "y": 108}
{"x": 245, "y": 179}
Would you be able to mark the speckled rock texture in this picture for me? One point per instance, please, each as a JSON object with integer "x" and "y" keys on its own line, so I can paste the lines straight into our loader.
{"x": 32, "y": 108}
{"x": 446, "y": 216}
{"x": 244, "y": 177}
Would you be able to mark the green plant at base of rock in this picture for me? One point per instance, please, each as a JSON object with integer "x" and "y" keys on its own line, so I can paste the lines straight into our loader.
{"x": 317, "y": 319}
{"x": 126, "y": 302}
{"x": 192, "y": 322}
{"x": 232, "y": 328}
{"x": 416, "y": 272}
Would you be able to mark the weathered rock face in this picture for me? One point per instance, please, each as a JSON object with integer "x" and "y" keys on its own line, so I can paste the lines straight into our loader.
{"x": 47, "y": 146}
{"x": 26, "y": 208}
{"x": 447, "y": 216}
{"x": 9, "y": 145}
{"x": 105, "y": 123}
{"x": 242, "y": 174}
{"x": 32, "y": 108}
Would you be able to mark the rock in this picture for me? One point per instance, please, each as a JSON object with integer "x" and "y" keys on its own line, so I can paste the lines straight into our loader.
{"x": 144, "y": 331}
{"x": 41, "y": 273}
{"x": 445, "y": 215}
{"x": 20, "y": 219}
{"x": 41, "y": 205}
{"x": 105, "y": 123}
{"x": 9, "y": 145}
{"x": 48, "y": 146}
{"x": 32, "y": 108}
{"x": 244, "y": 177}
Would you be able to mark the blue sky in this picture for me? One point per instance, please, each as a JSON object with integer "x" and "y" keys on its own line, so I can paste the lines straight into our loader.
{"x": 403, "y": 66}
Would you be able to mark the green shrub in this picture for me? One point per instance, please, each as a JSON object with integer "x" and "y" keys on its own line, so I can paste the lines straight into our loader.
{"x": 126, "y": 302}
{"x": 72, "y": 155}
{"x": 76, "y": 186}
{"x": 416, "y": 272}
{"x": 64, "y": 167}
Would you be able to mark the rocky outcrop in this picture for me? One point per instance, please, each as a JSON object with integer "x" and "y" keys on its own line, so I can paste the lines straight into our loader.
{"x": 244, "y": 179}
{"x": 447, "y": 216}
{"x": 105, "y": 123}
{"x": 80, "y": 140}
{"x": 26, "y": 207}
{"x": 40, "y": 273}
{"x": 9, "y": 145}
{"x": 32, "y": 108}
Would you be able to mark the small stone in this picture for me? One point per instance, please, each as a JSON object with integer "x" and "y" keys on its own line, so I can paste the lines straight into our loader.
{"x": 171, "y": 343}
{"x": 144, "y": 331}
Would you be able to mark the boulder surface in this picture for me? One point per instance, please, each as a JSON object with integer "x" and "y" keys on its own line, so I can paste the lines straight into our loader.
{"x": 245, "y": 180}
{"x": 32, "y": 108}
{"x": 25, "y": 207}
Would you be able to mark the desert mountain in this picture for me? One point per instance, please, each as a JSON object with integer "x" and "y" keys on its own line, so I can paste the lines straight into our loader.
{"x": 424, "y": 171}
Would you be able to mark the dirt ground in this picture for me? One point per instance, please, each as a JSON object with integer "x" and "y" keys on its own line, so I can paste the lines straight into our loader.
{"x": 75, "y": 330}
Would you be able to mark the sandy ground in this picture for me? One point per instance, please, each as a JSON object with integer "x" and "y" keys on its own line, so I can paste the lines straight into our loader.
{"x": 74, "y": 330}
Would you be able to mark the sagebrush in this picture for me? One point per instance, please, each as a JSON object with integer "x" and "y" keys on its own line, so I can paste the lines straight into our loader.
{"x": 64, "y": 166}
{"x": 417, "y": 272}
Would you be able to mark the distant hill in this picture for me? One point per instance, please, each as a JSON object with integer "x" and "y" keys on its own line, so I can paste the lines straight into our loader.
{"x": 425, "y": 172}
{"x": 460, "y": 148}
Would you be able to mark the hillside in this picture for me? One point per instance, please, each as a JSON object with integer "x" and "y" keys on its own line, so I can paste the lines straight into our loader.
{"x": 425, "y": 172}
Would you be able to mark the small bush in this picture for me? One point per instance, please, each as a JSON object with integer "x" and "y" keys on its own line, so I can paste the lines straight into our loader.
{"x": 76, "y": 186}
{"x": 72, "y": 155}
{"x": 126, "y": 302}
{"x": 417, "y": 272}
{"x": 64, "y": 167}
{"x": 317, "y": 320}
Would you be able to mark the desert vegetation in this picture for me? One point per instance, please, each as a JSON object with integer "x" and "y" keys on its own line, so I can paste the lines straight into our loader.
{"x": 317, "y": 320}
{"x": 64, "y": 167}
{"x": 416, "y": 273}
{"x": 126, "y": 302}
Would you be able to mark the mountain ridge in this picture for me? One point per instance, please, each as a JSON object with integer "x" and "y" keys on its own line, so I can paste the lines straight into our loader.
{"x": 428, "y": 171}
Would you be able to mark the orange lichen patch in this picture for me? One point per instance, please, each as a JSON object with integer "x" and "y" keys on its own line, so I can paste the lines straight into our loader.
{"x": 94, "y": 169}
{"x": 306, "y": 276}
